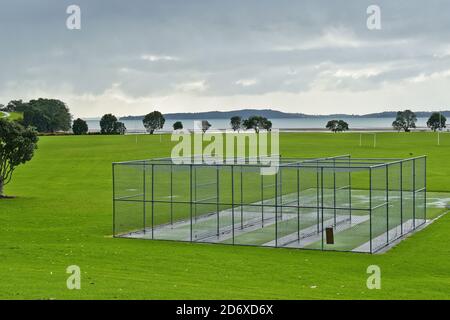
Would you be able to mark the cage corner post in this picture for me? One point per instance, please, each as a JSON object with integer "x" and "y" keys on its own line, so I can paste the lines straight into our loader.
{"x": 276, "y": 209}
{"x": 370, "y": 210}
{"x": 414, "y": 192}
{"x": 190, "y": 202}
{"x": 425, "y": 188}
{"x": 144, "y": 204}
{"x": 113, "y": 201}
{"x": 232, "y": 203}
{"x": 321, "y": 206}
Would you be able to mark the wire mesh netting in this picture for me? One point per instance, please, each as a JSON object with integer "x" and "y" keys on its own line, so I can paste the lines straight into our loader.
{"x": 337, "y": 203}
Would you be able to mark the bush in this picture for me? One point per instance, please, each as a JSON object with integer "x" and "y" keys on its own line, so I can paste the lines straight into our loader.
{"x": 80, "y": 127}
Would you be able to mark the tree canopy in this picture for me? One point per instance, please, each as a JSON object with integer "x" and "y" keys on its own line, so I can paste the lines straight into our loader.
{"x": 205, "y": 125}
{"x": 79, "y": 127}
{"x": 337, "y": 125}
{"x": 405, "y": 121}
{"x": 436, "y": 121}
{"x": 17, "y": 145}
{"x": 236, "y": 123}
{"x": 257, "y": 123}
{"x": 110, "y": 125}
{"x": 154, "y": 121}
{"x": 178, "y": 125}
{"x": 46, "y": 115}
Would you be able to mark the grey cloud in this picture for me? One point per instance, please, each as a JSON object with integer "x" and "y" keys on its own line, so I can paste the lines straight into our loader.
{"x": 218, "y": 42}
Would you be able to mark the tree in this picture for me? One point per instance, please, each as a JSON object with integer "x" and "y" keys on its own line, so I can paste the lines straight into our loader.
{"x": 154, "y": 121}
{"x": 257, "y": 123}
{"x": 436, "y": 121}
{"x": 17, "y": 145}
{"x": 342, "y": 125}
{"x": 119, "y": 128}
{"x": 337, "y": 125}
{"x": 33, "y": 117}
{"x": 177, "y": 125}
{"x": 405, "y": 121}
{"x": 108, "y": 124}
{"x": 236, "y": 123}
{"x": 79, "y": 127}
{"x": 54, "y": 113}
{"x": 15, "y": 106}
{"x": 266, "y": 124}
{"x": 205, "y": 125}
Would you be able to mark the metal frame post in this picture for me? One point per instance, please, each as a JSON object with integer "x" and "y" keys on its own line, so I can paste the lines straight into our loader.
{"x": 370, "y": 209}
{"x": 242, "y": 200}
{"x": 401, "y": 197}
{"x": 190, "y": 198}
{"x": 153, "y": 200}
{"x": 114, "y": 199}
{"x": 350, "y": 189}
{"x": 232, "y": 202}
{"x": 262, "y": 200}
{"x": 425, "y": 188}
{"x": 321, "y": 201}
{"x": 171, "y": 194}
{"x": 195, "y": 193}
{"x": 276, "y": 209}
{"x": 298, "y": 203}
{"x": 217, "y": 199}
{"x": 387, "y": 203}
{"x": 144, "y": 218}
{"x": 281, "y": 192}
{"x": 414, "y": 193}
{"x": 318, "y": 197}
{"x": 334, "y": 192}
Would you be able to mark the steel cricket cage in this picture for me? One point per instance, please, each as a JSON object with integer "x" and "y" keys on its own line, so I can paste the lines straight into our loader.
{"x": 336, "y": 203}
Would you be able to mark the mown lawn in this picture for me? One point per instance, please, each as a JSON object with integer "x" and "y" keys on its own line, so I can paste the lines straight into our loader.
{"x": 62, "y": 216}
{"x": 12, "y": 115}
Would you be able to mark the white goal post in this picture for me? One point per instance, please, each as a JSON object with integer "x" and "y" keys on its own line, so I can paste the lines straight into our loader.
{"x": 372, "y": 134}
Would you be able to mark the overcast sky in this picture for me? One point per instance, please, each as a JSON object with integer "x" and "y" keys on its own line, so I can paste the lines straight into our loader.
{"x": 131, "y": 57}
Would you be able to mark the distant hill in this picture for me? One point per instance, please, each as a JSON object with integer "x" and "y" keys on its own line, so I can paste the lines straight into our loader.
{"x": 273, "y": 114}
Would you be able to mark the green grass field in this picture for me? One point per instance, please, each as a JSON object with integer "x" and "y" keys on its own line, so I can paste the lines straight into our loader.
{"x": 62, "y": 216}
{"x": 12, "y": 115}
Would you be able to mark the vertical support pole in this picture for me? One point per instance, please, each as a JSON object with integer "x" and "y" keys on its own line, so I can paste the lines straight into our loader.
{"x": 114, "y": 199}
{"x": 321, "y": 201}
{"x": 262, "y": 200}
{"x": 276, "y": 209}
{"x": 171, "y": 194}
{"x": 153, "y": 200}
{"x": 281, "y": 192}
{"x": 217, "y": 200}
{"x": 370, "y": 209}
{"x": 334, "y": 192}
{"x": 195, "y": 194}
{"x": 242, "y": 196}
{"x": 401, "y": 197}
{"x": 425, "y": 186}
{"x": 298, "y": 203}
{"x": 350, "y": 189}
{"x": 387, "y": 203}
{"x": 414, "y": 193}
{"x": 190, "y": 199}
{"x": 232, "y": 202}
{"x": 318, "y": 197}
{"x": 144, "y": 213}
